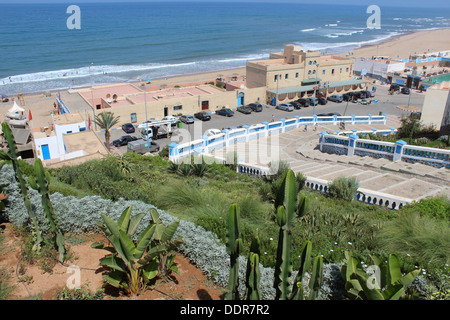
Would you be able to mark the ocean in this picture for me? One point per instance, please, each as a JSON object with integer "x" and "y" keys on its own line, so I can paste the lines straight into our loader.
{"x": 121, "y": 42}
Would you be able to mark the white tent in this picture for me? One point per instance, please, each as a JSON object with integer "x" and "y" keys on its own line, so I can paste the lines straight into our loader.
{"x": 16, "y": 109}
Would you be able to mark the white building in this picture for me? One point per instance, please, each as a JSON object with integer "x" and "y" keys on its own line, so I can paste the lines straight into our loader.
{"x": 68, "y": 139}
{"x": 377, "y": 68}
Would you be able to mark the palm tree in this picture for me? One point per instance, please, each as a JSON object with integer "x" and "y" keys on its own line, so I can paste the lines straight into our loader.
{"x": 106, "y": 120}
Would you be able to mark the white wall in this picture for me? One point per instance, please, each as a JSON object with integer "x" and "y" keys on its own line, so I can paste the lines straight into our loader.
{"x": 60, "y": 130}
{"x": 52, "y": 143}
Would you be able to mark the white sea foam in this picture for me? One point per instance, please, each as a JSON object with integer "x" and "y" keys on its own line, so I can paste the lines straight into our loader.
{"x": 308, "y": 30}
{"x": 345, "y": 45}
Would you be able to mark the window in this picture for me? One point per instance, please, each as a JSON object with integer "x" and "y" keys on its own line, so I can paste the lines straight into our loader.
{"x": 276, "y": 78}
{"x": 309, "y": 72}
{"x": 314, "y": 71}
{"x": 296, "y": 75}
{"x": 286, "y": 76}
{"x": 340, "y": 70}
{"x": 332, "y": 71}
{"x": 346, "y": 70}
{"x": 323, "y": 72}
{"x": 310, "y": 62}
{"x": 177, "y": 108}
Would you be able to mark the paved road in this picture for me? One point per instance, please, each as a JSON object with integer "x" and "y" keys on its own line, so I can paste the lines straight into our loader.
{"x": 386, "y": 104}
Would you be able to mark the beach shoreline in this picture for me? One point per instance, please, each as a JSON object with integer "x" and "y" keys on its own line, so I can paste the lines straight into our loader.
{"x": 397, "y": 47}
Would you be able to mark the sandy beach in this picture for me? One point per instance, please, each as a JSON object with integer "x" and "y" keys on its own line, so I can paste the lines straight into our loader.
{"x": 401, "y": 47}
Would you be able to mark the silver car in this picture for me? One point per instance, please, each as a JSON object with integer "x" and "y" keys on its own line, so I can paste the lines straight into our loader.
{"x": 285, "y": 107}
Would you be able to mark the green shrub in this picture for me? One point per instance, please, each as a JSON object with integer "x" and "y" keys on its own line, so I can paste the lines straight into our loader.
{"x": 79, "y": 294}
{"x": 424, "y": 239}
{"x": 343, "y": 188}
{"x": 438, "y": 207}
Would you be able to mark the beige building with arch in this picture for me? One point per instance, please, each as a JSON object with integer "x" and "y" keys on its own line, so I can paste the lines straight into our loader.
{"x": 294, "y": 73}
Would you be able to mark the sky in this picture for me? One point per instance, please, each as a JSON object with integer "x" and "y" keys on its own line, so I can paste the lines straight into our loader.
{"x": 387, "y": 3}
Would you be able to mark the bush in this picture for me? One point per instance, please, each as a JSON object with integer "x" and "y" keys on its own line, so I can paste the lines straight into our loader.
{"x": 343, "y": 188}
{"x": 437, "y": 208}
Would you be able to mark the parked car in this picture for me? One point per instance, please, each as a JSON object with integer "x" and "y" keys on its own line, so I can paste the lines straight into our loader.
{"x": 322, "y": 101}
{"x": 313, "y": 101}
{"x": 173, "y": 120}
{"x": 358, "y": 95}
{"x": 335, "y": 98}
{"x": 123, "y": 141}
{"x": 296, "y": 105}
{"x": 128, "y": 128}
{"x": 225, "y": 112}
{"x": 212, "y": 132}
{"x": 328, "y": 114}
{"x": 141, "y": 146}
{"x": 285, "y": 107}
{"x": 347, "y": 96}
{"x": 405, "y": 90}
{"x": 187, "y": 119}
{"x": 202, "y": 115}
{"x": 256, "y": 107}
{"x": 303, "y": 102}
{"x": 394, "y": 87}
{"x": 244, "y": 109}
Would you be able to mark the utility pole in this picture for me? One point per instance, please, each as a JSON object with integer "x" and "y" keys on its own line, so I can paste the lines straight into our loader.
{"x": 92, "y": 95}
{"x": 146, "y": 120}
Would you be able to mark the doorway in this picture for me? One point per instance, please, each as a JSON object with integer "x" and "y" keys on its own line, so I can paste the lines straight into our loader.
{"x": 205, "y": 105}
{"x": 45, "y": 152}
{"x": 166, "y": 111}
{"x": 241, "y": 99}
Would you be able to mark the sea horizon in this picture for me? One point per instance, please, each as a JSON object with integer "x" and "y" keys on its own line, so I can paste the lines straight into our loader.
{"x": 131, "y": 41}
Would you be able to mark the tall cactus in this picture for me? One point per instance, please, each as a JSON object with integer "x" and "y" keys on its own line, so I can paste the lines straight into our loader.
{"x": 41, "y": 183}
{"x": 12, "y": 156}
{"x": 234, "y": 245}
{"x": 285, "y": 219}
{"x": 253, "y": 273}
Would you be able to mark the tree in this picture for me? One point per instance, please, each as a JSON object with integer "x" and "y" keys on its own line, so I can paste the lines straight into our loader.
{"x": 106, "y": 120}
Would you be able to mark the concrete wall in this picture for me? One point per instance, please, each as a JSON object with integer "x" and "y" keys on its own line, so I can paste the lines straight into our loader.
{"x": 436, "y": 108}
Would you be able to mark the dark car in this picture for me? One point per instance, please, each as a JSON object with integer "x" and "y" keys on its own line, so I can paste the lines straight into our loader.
{"x": 405, "y": 90}
{"x": 187, "y": 119}
{"x": 328, "y": 114}
{"x": 128, "y": 128}
{"x": 358, "y": 95}
{"x": 303, "y": 102}
{"x": 123, "y": 141}
{"x": 244, "y": 109}
{"x": 296, "y": 105}
{"x": 394, "y": 87}
{"x": 225, "y": 112}
{"x": 202, "y": 116}
{"x": 256, "y": 107}
{"x": 347, "y": 96}
{"x": 322, "y": 101}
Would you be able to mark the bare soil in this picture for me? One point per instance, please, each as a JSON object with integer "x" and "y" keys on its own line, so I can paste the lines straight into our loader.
{"x": 31, "y": 281}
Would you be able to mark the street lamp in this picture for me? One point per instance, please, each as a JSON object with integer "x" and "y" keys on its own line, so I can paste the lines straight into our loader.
{"x": 315, "y": 90}
{"x": 92, "y": 94}
{"x": 146, "y": 120}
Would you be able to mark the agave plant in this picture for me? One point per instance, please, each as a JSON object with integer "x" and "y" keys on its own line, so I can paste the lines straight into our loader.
{"x": 386, "y": 282}
{"x": 133, "y": 263}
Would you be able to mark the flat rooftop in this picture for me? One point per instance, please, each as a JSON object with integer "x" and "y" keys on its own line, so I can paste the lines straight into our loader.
{"x": 67, "y": 118}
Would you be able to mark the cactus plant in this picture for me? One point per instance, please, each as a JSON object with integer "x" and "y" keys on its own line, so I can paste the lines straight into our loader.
{"x": 253, "y": 271}
{"x": 287, "y": 199}
{"x": 12, "y": 155}
{"x": 234, "y": 245}
{"x": 41, "y": 183}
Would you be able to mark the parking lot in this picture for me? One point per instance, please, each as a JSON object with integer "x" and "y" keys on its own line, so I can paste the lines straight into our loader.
{"x": 386, "y": 103}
